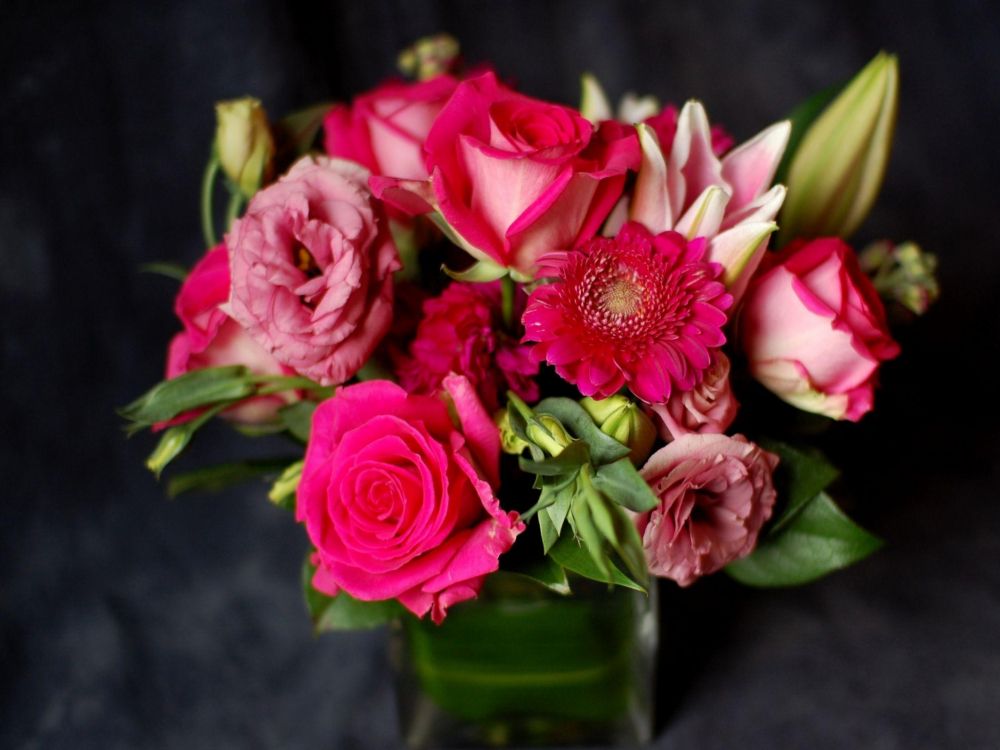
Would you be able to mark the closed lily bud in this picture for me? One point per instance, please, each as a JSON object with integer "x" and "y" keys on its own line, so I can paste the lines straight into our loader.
{"x": 552, "y": 439}
{"x": 244, "y": 142}
{"x": 623, "y": 420}
{"x": 837, "y": 171}
{"x": 902, "y": 273}
{"x": 509, "y": 440}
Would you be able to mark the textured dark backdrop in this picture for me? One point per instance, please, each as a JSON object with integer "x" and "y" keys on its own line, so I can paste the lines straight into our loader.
{"x": 132, "y": 622}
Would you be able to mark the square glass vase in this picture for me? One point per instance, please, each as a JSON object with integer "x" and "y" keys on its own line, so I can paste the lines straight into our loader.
{"x": 524, "y": 666}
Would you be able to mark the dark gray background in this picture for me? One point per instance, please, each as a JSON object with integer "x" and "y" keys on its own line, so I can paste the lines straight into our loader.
{"x": 129, "y": 621}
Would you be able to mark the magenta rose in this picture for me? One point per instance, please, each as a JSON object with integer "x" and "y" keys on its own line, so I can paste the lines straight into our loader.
{"x": 399, "y": 500}
{"x": 385, "y": 128}
{"x": 715, "y": 494}
{"x": 312, "y": 262}
{"x": 814, "y": 330}
{"x": 461, "y": 331}
{"x": 709, "y": 407}
{"x": 212, "y": 339}
{"x": 516, "y": 177}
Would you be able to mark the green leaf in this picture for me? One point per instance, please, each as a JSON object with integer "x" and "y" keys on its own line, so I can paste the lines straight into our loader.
{"x": 547, "y": 529}
{"x": 603, "y": 448}
{"x": 220, "y": 476}
{"x": 619, "y": 481}
{"x": 801, "y": 475}
{"x": 297, "y": 419}
{"x": 176, "y": 439}
{"x": 174, "y": 271}
{"x": 571, "y": 556}
{"x": 169, "y": 398}
{"x": 343, "y": 612}
{"x": 819, "y": 540}
{"x": 545, "y": 571}
{"x": 572, "y": 457}
{"x": 296, "y": 133}
{"x": 282, "y": 492}
{"x": 801, "y": 118}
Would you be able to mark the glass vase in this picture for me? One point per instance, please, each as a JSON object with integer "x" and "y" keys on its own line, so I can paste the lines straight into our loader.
{"x": 525, "y": 666}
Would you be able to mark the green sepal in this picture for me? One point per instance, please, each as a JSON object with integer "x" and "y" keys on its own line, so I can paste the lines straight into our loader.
{"x": 818, "y": 540}
{"x": 574, "y": 558}
{"x": 168, "y": 398}
{"x": 297, "y": 419}
{"x": 220, "y": 476}
{"x": 603, "y": 448}
{"x": 801, "y": 475}
{"x": 620, "y": 481}
{"x": 344, "y": 612}
{"x": 572, "y": 457}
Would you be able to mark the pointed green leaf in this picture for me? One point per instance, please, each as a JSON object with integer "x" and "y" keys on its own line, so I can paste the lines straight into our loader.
{"x": 221, "y": 476}
{"x": 343, "y": 612}
{"x": 571, "y": 556}
{"x": 297, "y": 419}
{"x": 572, "y": 457}
{"x": 167, "y": 399}
{"x": 295, "y": 134}
{"x": 545, "y": 571}
{"x": 801, "y": 475}
{"x": 603, "y": 448}
{"x": 819, "y": 540}
{"x": 620, "y": 482}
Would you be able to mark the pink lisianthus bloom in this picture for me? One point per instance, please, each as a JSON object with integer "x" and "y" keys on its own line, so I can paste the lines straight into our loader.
{"x": 814, "y": 330}
{"x": 212, "y": 339}
{"x": 641, "y": 310}
{"x": 461, "y": 332}
{"x": 683, "y": 185}
{"x": 400, "y": 501}
{"x": 715, "y": 494}
{"x": 384, "y": 129}
{"x": 513, "y": 178}
{"x": 709, "y": 407}
{"x": 312, "y": 262}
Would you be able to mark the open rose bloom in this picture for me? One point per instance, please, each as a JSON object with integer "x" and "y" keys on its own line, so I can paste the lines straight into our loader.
{"x": 594, "y": 295}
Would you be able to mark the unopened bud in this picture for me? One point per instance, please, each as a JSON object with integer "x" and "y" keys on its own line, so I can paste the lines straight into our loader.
{"x": 550, "y": 436}
{"x": 836, "y": 172}
{"x": 509, "y": 440}
{"x": 428, "y": 57}
{"x": 244, "y": 142}
{"x": 902, "y": 273}
{"x": 622, "y": 419}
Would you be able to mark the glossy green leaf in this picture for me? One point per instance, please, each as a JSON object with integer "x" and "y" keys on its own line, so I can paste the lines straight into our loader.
{"x": 818, "y": 540}
{"x": 168, "y": 398}
{"x": 545, "y": 571}
{"x": 221, "y": 476}
{"x": 572, "y": 457}
{"x": 343, "y": 612}
{"x": 801, "y": 475}
{"x": 571, "y": 556}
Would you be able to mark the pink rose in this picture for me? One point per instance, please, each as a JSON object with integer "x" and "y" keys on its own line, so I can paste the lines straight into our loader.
{"x": 212, "y": 339}
{"x": 312, "y": 264}
{"x": 461, "y": 331}
{"x": 385, "y": 128}
{"x": 517, "y": 177}
{"x": 709, "y": 407}
{"x": 399, "y": 501}
{"x": 715, "y": 494}
{"x": 814, "y": 330}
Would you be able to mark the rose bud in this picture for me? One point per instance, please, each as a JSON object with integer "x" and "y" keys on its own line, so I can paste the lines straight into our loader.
{"x": 814, "y": 331}
{"x": 837, "y": 170}
{"x": 715, "y": 494}
{"x": 244, "y": 142}
{"x": 550, "y": 436}
{"x": 709, "y": 407}
{"x": 623, "y": 420}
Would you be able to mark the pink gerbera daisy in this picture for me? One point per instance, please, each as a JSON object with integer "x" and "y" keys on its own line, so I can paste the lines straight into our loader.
{"x": 637, "y": 310}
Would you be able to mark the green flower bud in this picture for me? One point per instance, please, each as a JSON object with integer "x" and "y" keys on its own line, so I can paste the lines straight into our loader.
{"x": 902, "y": 273}
{"x": 244, "y": 142}
{"x": 837, "y": 170}
{"x": 623, "y": 420}
{"x": 509, "y": 441}
{"x": 552, "y": 439}
{"x": 429, "y": 56}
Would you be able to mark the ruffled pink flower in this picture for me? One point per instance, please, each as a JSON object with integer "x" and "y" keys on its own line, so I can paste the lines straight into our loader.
{"x": 709, "y": 407}
{"x": 312, "y": 262}
{"x": 639, "y": 310}
{"x": 399, "y": 500}
{"x": 212, "y": 339}
{"x": 715, "y": 494}
{"x": 461, "y": 332}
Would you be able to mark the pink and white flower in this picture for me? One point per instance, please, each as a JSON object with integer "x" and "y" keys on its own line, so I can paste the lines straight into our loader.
{"x": 641, "y": 310}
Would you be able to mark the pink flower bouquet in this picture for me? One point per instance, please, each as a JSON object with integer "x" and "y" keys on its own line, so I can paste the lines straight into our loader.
{"x": 510, "y": 336}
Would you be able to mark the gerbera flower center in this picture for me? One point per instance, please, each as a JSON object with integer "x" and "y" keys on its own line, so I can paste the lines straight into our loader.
{"x": 622, "y": 297}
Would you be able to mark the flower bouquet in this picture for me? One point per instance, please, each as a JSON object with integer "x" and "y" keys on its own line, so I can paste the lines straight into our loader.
{"x": 513, "y": 339}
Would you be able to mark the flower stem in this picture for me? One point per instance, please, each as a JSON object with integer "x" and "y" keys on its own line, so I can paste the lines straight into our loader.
{"x": 233, "y": 209}
{"x": 207, "y": 191}
{"x": 507, "y": 288}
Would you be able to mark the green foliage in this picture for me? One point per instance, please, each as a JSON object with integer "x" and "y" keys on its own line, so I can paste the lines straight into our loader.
{"x": 297, "y": 419}
{"x": 802, "y": 474}
{"x": 193, "y": 390}
{"x": 343, "y": 612}
{"x": 220, "y": 476}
